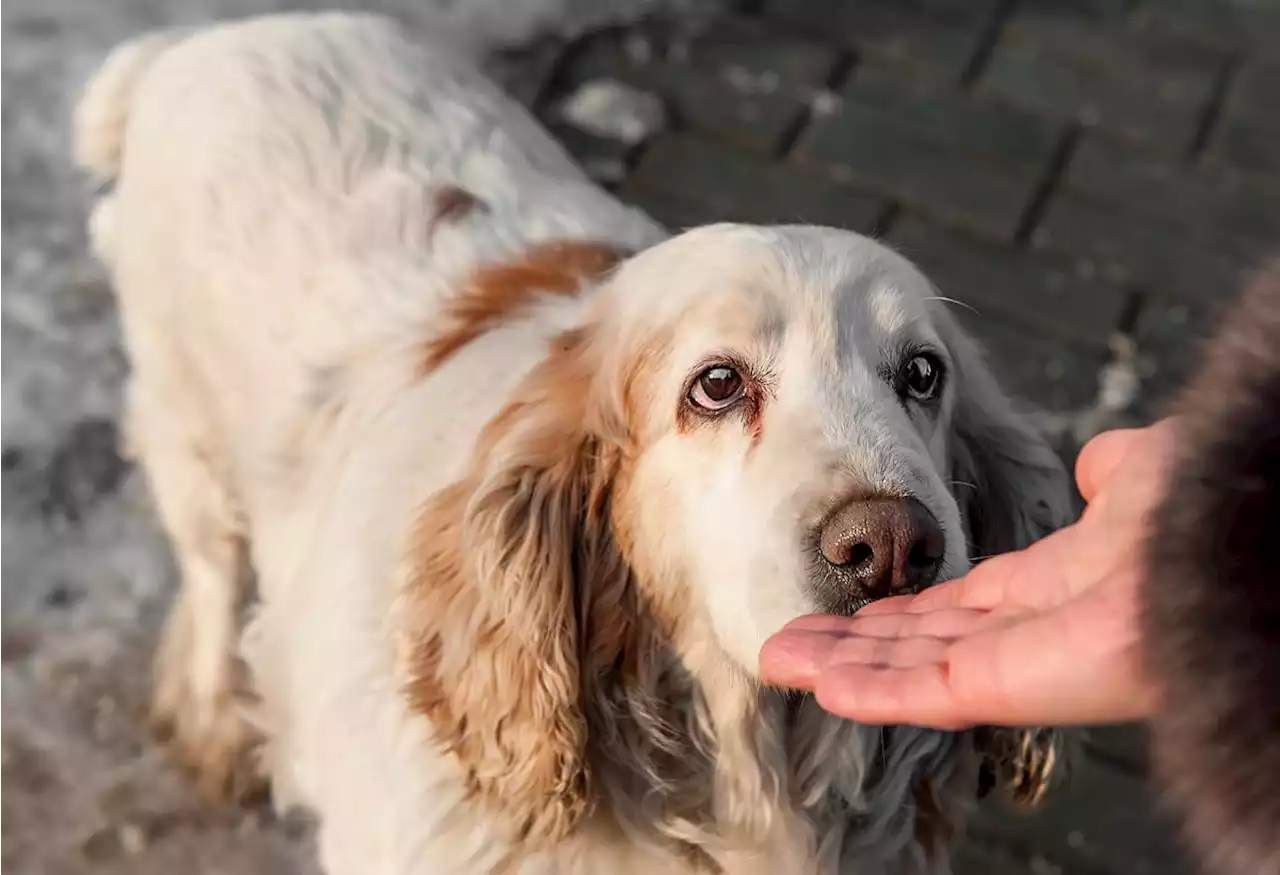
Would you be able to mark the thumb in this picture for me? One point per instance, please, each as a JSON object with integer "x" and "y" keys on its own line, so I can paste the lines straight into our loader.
{"x": 1101, "y": 457}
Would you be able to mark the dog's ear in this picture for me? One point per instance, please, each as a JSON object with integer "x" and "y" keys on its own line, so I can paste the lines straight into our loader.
{"x": 1011, "y": 484}
{"x": 494, "y": 600}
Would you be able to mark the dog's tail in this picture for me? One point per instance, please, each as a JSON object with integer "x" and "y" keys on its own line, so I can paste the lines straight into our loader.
{"x": 101, "y": 123}
{"x": 102, "y": 114}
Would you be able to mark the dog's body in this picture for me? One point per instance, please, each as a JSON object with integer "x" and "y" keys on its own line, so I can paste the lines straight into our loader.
{"x": 380, "y": 343}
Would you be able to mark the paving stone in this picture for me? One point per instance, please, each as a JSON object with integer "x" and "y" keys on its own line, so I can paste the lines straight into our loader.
{"x": 525, "y": 73}
{"x": 1256, "y": 95}
{"x": 1042, "y": 372}
{"x": 1205, "y": 204}
{"x": 932, "y": 37}
{"x": 1127, "y": 248}
{"x": 972, "y": 858}
{"x": 1125, "y": 744}
{"x": 1098, "y": 11}
{"x": 1170, "y": 335}
{"x": 667, "y": 210}
{"x": 754, "y": 46}
{"x": 1248, "y": 134}
{"x": 1246, "y": 25}
{"x": 981, "y": 128}
{"x": 955, "y": 157}
{"x": 1103, "y": 821}
{"x": 750, "y": 120}
{"x": 603, "y": 159}
{"x": 1033, "y": 292}
{"x": 739, "y": 187}
{"x": 1246, "y": 145}
{"x": 737, "y": 82}
{"x": 1149, "y": 86}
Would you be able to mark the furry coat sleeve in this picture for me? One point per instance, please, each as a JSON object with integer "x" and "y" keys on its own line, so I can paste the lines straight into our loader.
{"x": 1211, "y": 597}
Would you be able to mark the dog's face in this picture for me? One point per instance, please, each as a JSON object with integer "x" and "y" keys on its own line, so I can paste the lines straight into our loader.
{"x": 750, "y": 424}
{"x": 791, "y": 406}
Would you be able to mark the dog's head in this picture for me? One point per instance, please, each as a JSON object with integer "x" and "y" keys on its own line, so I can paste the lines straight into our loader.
{"x": 752, "y": 424}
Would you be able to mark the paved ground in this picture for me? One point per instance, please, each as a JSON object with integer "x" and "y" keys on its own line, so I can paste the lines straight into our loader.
{"x": 1091, "y": 177}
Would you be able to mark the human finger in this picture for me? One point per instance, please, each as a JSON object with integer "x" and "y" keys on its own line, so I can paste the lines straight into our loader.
{"x": 891, "y": 618}
{"x": 879, "y": 695}
{"x": 840, "y": 622}
{"x": 793, "y": 657}
{"x": 1101, "y": 457}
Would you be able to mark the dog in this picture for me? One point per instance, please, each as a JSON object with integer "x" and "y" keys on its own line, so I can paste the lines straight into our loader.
{"x": 1210, "y": 598}
{"x": 519, "y": 482}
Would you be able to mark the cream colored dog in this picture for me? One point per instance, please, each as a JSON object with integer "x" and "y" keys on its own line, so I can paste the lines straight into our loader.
{"x": 525, "y": 484}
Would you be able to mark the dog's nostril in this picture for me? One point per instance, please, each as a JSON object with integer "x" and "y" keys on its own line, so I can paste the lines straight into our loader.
{"x": 860, "y": 554}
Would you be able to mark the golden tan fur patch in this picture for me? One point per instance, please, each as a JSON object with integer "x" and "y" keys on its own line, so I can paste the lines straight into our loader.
{"x": 495, "y": 649}
{"x": 496, "y": 291}
{"x": 531, "y": 637}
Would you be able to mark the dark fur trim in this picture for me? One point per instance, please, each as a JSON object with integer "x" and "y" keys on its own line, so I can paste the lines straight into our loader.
{"x": 1211, "y": 599}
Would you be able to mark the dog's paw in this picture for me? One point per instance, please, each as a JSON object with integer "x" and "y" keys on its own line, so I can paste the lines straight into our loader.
{"x": 216, "y": 745}
{"x": 1023, "y": 762}
{"x": 201, "y": 714}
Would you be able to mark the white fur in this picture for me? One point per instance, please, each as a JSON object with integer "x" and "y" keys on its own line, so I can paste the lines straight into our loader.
{"x": 271, "y": 240}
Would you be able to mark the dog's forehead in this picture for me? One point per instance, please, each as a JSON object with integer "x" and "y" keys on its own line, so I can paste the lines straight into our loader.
{"x": 830, "y": 285}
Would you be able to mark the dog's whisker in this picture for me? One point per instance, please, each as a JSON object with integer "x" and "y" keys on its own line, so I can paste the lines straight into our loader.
{"x": 947, "y": 300}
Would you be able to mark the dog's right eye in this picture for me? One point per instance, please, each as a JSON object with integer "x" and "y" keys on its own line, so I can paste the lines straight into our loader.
{"x": 920, "y": 377}
{"x": 716, "y": 388}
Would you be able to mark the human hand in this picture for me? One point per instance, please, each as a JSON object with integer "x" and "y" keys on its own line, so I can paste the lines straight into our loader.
{"x": 1042, "y": 636}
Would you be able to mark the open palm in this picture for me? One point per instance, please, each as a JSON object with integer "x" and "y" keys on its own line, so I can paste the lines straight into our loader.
{"x": 1046, "y": 635}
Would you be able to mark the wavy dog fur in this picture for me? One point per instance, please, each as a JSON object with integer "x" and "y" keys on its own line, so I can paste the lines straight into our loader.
{"x": 390, "y": 346}
{"x": 1211, "y": 597}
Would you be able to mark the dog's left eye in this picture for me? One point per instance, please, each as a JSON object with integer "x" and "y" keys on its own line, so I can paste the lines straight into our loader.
{"x": 921, "y": 377}
{"x": 716, "y": 388}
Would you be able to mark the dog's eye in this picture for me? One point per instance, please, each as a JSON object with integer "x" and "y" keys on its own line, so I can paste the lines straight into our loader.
{"x": 921, "y": 377}
{"x": 716, "y": 388}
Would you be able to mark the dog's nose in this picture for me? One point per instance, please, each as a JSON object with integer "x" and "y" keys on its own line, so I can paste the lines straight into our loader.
{"x": 887, "y": 545}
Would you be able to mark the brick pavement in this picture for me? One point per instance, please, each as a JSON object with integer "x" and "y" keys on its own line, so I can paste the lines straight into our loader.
{"x": 1077, "y": 172}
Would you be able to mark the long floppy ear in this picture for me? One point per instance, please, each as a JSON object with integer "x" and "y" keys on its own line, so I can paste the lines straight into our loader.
{"x": 1012, "y": 486}
{"x": 493, "y": 601}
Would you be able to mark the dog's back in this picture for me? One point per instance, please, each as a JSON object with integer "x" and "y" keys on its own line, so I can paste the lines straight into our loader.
{"x": 292, "y": 191}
